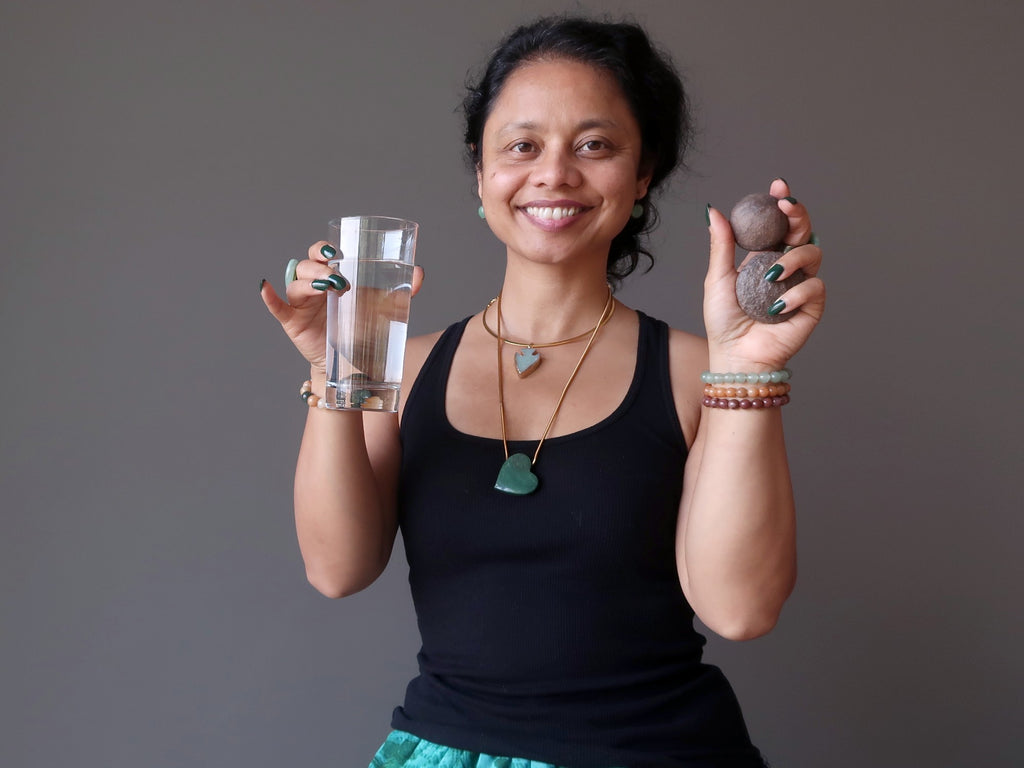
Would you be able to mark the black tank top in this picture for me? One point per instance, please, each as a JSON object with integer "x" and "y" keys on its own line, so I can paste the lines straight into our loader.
{"x": 553, "y": 625}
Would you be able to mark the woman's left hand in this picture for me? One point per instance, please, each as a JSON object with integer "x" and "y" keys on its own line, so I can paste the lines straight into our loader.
{"x": 735, "y": 341}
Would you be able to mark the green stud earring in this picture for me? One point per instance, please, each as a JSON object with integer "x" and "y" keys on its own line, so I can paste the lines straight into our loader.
{"x": 637, "y": 212}
{"x": 480, "y": 212}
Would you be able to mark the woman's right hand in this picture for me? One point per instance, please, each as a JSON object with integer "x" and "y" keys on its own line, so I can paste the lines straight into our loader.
{"x": 304, "y": 315}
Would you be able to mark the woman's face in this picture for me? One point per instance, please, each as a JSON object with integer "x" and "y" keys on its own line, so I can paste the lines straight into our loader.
{"x": 560, "y": 162}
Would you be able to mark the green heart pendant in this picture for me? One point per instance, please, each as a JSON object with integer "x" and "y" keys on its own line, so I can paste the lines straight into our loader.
{"x": 515, "y": 476}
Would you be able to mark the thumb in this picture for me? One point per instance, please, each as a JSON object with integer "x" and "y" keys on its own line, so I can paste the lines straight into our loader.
{"x": 417, "y": 280}
{"x": 723, "y": 246}
{"x": 280, "y": 309}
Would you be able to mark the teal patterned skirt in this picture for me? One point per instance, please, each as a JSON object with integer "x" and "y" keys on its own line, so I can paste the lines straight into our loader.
{"x": 403, "y": 750}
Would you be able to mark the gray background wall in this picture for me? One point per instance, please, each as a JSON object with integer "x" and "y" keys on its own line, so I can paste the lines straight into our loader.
{"x": 159, "y": 158}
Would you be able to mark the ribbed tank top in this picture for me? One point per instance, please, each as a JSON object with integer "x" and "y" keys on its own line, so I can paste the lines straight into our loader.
{"x": 553, "y": 625}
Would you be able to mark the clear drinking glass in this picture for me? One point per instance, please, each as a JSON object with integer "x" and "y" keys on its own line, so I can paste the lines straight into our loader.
{"x": 368, "y": 323}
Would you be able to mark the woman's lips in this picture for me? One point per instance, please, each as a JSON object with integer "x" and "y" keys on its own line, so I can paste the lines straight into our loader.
{"x": 555, "y": 213}
{"x": 552, "y": 212}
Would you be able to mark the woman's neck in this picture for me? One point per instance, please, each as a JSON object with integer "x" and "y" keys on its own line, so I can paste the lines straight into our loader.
{"x": 545, "y": 303}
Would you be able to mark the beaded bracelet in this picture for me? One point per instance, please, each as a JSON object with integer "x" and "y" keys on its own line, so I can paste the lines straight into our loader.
{"x": 306, "y": 393}
{"x": 767, "y": 377}
{"x": 756, "y": 403}
{"x": 765, "y": 390}
{"x": 361, "y": 398}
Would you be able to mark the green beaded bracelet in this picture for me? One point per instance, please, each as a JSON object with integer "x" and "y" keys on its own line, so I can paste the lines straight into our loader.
{"x": 767, "y": 377}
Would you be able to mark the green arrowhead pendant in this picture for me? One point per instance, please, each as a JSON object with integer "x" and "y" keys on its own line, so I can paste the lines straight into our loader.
{"x": 515, "y": 476}
{"x": 527, "y": 361}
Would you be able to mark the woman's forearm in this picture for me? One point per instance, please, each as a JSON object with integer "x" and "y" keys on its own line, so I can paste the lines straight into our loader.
{"x": 737, "y": 537}
{"x": 344, "y": 516}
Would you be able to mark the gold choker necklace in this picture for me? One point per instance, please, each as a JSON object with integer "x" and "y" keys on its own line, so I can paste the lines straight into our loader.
{"x": 528, "y": 359}
{"x": 516, "y": 476}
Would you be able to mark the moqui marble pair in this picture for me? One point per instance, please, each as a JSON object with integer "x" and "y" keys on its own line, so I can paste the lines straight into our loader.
{"x": 760, "y": 226}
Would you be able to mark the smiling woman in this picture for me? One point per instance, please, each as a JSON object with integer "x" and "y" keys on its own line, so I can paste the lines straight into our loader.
{"x": 558, "y": 178}
{"x": 565, "y": 523}
{"x": 645, "y": 78}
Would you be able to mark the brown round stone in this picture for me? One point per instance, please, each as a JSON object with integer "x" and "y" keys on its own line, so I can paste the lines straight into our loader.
{"x": 755, "y": 294}
{"x": 758, "y": 224}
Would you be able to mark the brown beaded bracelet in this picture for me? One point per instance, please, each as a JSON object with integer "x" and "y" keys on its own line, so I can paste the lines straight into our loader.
{"x": 763, "y": 390}
{"x": 744, "y": 403}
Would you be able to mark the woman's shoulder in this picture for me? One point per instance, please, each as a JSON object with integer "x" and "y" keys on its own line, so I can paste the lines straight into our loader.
{"x": 685, "y": 348}
{"x": 423, "y": 343}
{"x": 418, "y": 349}
{"x": 687, "y": 358}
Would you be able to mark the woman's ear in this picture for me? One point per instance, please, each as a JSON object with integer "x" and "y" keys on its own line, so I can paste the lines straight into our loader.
{"x": 641, "y": 187}
{"x": 643, "y": 179}
{"x": 479, "y": 171}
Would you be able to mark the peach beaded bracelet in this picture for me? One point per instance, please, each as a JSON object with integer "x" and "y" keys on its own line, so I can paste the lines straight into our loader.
{"x": 765, "y": 390}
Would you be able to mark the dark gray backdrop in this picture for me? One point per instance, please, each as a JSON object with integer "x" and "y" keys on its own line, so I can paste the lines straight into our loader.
{"x": 159, "y": 158}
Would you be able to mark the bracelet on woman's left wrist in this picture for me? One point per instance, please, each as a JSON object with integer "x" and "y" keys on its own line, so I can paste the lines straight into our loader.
{"x": 745, "y": 391}
{"x": 759, "y": 377}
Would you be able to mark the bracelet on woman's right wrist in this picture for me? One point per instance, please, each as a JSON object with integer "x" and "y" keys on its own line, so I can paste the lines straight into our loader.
{"x": 308, "y": 397}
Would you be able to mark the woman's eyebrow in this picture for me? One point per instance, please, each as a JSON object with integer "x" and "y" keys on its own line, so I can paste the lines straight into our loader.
{"x": 583, "y": 125}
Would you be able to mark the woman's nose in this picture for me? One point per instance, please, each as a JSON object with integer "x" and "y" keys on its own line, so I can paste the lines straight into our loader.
{"x": 557, "y": 168}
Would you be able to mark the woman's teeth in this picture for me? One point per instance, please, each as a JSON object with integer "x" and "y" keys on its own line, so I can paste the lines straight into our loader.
{"x": 552, "y": 213}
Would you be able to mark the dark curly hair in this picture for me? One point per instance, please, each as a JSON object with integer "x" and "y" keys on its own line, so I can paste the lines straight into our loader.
{"x": 648, "y": 80}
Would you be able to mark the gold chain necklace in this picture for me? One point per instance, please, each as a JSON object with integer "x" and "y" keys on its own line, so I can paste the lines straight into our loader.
{"x": 528, "y": 359}
{"x": 515, "y": 476}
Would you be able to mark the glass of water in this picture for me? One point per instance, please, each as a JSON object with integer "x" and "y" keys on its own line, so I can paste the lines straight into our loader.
{"x": 368, "y": 323}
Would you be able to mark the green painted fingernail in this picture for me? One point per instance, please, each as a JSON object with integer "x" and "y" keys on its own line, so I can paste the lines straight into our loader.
{"x": 790, "y": 200}
{"x": 328, "y": 252}
{"x": 337, "y": 282}
{"x": 321, "y": 285}
{"x": 707, "y": 214}
{"x": 263, "y": 281}
{"x": 815, "y": 240}
{"x": 782, "y": 180}
{"x": 776, "y": 307}
{"x": 773, "y": 274}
